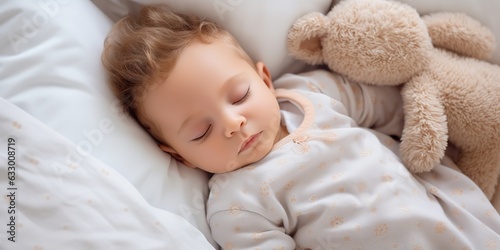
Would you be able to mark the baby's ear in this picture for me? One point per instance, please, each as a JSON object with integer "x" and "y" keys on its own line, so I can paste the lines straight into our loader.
{"x": 304, "y": 38}
{"x": 174, "y": 154}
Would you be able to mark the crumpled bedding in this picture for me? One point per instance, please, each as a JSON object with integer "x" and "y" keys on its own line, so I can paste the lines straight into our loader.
{"x": 51, "y": 203}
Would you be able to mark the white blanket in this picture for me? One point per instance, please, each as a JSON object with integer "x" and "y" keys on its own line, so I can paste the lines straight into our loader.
{"x": 50, "y": 203}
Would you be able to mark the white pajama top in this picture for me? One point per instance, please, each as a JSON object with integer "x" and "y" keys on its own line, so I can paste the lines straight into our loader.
{"x": 331, "y": 184}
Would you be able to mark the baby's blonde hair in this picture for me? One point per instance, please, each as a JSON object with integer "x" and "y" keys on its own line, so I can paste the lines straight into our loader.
{"x": 142, "y": 48}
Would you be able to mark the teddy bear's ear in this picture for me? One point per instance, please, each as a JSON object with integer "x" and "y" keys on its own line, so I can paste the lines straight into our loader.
{"x": 304, "y": 38}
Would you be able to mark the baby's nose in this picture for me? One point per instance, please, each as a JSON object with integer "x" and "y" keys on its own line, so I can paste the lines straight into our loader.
{"x": 234, "y": 122}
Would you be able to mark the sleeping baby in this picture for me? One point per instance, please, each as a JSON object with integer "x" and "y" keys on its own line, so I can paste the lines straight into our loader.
{"x": 304, "y": 162}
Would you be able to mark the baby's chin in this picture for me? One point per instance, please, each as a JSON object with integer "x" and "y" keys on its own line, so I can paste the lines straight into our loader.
{"x": 246, "y": 160}
{"x": 259, "y": 152}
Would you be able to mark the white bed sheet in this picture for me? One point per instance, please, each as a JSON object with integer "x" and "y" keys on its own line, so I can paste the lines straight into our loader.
{"x": 49, "y": 203}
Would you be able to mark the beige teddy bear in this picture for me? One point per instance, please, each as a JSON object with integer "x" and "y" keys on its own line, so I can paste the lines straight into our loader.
{"x": 449, "y": 92}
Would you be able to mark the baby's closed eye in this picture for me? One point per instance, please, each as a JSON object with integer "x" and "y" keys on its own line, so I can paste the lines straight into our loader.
{"x": 241, "y": 97}
{"x": 204, "y": 134}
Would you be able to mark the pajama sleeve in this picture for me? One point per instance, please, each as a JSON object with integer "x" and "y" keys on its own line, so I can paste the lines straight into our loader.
{"x": 238, "y": 229}
{"x": 376, "y": 107}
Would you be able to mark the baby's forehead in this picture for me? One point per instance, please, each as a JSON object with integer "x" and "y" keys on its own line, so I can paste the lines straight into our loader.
{"x": 197, "y": 74}
{"x": 228, "y": 45}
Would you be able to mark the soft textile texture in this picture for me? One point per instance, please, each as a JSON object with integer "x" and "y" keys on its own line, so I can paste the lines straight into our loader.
{"x": 50, "y": 67}
{"x": 89, "y": 205}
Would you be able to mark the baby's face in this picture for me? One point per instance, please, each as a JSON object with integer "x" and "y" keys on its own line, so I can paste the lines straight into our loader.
{"x": 215, "y": 110}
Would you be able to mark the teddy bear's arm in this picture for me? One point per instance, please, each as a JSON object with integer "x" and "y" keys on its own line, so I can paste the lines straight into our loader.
{"x": 461, "y": 34}
{"x": 425, "y": 132}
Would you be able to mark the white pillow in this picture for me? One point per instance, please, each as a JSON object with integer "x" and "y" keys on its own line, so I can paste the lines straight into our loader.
{"x": 50, "y": 67}
{"x": 261, "y": 26}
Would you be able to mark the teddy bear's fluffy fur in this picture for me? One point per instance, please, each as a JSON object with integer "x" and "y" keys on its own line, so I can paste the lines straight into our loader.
{"x": 450, "y": 93}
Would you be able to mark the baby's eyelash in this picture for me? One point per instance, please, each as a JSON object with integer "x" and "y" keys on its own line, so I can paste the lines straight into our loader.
{"x": 207, "y": 132}
{"x": 204, "y": 135}
{"x": 247, "y": 94}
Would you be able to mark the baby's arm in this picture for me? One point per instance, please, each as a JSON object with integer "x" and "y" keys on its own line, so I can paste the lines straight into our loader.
{"x": 376, "y": 107}
{"x": 239, "y": 229}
